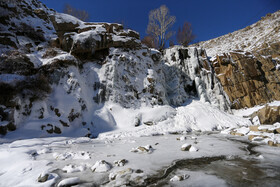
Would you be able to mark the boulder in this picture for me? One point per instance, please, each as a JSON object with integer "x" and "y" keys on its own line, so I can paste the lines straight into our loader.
{"x": 268, "y": 114}
{"x": 143, "y": 149}
{"x": 254, "y": 128}
{"x": 43, "y": 178}
{"x": 121, "y": 162}
{"x": 64, "y": 23}
{"x": 69, "y": 182}
{"x": 101, "y": 166}
{"x": 179, "y": 177}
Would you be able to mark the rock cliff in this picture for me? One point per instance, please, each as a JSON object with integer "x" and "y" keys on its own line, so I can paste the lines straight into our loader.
{"x": 247, "y": 62}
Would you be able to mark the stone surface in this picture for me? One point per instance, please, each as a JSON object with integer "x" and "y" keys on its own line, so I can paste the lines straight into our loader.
{"x": 248, "y": 79}
{"x": 268, "y": 114}
{"x": 43, "y": 178}
{"x": 254, "y": 128}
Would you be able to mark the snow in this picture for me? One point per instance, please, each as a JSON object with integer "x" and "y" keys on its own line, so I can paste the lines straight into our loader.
{"x": 243, "y": 130}
{"x": 248, "y": 111}
{"x": 179, "y": 178}
{"x": 193, "y": 149}
{"x": 69, "y": 181}
{"x": 101, "y": 166}
{"x": 66, "y": 18}
{"x": 73, "y": 168}
{"x": 166, "y": 149}
{"x": 247, "y": 39}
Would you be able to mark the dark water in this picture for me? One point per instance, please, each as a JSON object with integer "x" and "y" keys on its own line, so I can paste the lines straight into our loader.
{"x": 245, "y": 170}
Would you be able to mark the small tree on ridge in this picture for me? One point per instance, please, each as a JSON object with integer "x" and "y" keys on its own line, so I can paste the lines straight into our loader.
{"x": 185, "y": 35}
{"x": 80, "y": 14}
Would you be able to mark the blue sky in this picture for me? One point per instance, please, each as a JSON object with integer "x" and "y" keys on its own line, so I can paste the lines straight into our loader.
{"x": 209, "y": 18}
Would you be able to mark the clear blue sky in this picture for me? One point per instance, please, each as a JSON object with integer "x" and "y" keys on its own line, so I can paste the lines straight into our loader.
{"x": 209, "y": 18}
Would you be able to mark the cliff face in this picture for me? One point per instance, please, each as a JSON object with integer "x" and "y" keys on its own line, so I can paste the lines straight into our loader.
{"x": 61, "y": 75}
{"x": 247, "y": 62}
{"x": 189, "y": 74}
{"x": 247, "y": 79}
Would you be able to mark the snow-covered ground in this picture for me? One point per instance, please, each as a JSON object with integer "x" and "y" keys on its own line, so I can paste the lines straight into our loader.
{"x": 87, "y": 161}
{"x": 248, "y": 111}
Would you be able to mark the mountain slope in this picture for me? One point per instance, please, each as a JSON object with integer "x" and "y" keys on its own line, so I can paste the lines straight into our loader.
{"x": 247, "y": 62}
{"x": 253, "y": 37}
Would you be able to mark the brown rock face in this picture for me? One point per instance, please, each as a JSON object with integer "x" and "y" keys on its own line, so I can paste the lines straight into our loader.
{"x": 248, "y": 79}
{"x": 268, "y": 114}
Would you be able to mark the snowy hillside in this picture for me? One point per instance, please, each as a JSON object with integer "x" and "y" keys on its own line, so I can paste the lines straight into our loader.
{"x": 253, "y": 37}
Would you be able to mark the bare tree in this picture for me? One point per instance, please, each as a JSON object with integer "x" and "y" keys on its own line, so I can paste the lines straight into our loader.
{"x": 185, "y": 35}
{"x": 159, "y": 25}
{"x": 150, "y": 42}
{"x": 80, "y": 14}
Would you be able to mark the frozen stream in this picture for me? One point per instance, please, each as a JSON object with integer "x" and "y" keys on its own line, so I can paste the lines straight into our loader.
{"x": 221, "y": 160}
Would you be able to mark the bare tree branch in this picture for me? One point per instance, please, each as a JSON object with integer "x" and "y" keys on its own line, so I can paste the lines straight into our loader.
{"x": 185, "y": 35}
{"x": 150, "y": 42}
{"x": 80, "y": 14}
{"x": 159, "y": 23}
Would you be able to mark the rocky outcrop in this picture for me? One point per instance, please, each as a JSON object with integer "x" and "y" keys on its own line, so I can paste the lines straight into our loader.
{"x": 89, "y": 41}
{"x": 247, "y": 62}
{"x": 268, "y": 114}
{"x": 248, "y": 79}
{"x": 18, "y": 29}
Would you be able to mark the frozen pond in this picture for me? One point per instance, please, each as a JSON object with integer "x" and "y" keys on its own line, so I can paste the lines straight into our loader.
{"x": 212, "y": 159}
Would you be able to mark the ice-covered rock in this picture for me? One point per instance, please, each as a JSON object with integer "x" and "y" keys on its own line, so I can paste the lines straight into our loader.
{"x": 101, "y": 166}
{"x": 43, "y": 177}
{"x": 182, "y": 138}
{"x": 47, "y": 177}
{"x": 71, "y": 168}
{"x": 69, "y": 182}
{"x": 143, "y": 149}
{"x": 120, "y": 174}
{"x": 120, "y": 163}
{"x": 188, "y": 147}
{"x": 72, "y": 155}
{"x": 179, "y": 177}
{"x": 189, "y": 73}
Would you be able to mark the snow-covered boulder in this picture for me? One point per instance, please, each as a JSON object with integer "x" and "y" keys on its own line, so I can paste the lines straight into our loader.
{"x": 120, "y": 163}
{"x": 179, "y": 177}
{"x": 70, "y": 168}
{"x": 69, "y": 182}
{"x": 101, "y": 166}
{"x": 143, "y": 149}
{"x": 188, "y": 147}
